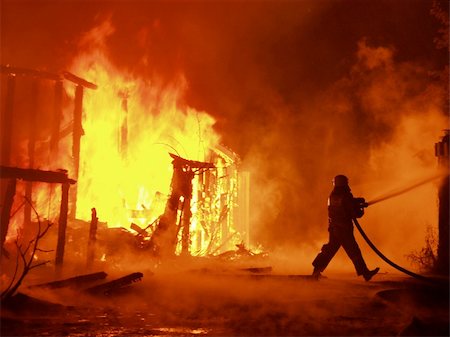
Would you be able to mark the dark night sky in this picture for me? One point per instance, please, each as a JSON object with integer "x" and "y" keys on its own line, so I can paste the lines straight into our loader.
{"x": 254, "y": 65}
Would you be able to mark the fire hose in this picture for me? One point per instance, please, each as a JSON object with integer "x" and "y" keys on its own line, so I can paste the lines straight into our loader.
{"x": 363, "y": 204}
{"x": 385, "y": 259}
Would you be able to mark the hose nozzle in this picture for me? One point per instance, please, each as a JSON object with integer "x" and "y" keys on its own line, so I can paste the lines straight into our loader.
{"x": 361, "y": 202}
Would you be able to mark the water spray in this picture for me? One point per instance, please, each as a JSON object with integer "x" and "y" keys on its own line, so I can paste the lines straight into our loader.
{"x": 404, "y": 190}
{"x": 362, "y": 203}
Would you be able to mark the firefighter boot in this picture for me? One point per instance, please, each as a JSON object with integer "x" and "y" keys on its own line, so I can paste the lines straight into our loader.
{"x": 317, "y": 274}
{"x": 368, "y": 274}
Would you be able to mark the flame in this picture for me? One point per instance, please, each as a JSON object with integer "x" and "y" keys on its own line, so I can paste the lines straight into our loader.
{"x": 110, "y": 179}
{"x": 130, "y": 125}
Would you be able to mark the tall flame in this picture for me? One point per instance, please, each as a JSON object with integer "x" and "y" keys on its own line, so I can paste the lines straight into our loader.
{"x": 130, "y": 125}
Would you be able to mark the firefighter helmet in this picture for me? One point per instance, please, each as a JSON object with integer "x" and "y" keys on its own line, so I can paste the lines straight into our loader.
{"x": 340, "y": 180}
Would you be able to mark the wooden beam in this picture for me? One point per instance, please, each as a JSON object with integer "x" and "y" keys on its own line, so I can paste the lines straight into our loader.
{"x": 60, "y": 177}
{"x": 17, "y": 71}
{"x": 6, "y": 211}
{"x": 75, "y": 282}
{"x": 57, "y": 117}
{"x": 92, "y": 239}
{"x": 76, "y": 142}
{"x": 31, "y": 148}
{"x": 28, "y": 72}
{"x": 181, "y": 162}
{"x": 79, "y": 81}
{"x": 62, "y": 225}
{"x": 7, "y": 121}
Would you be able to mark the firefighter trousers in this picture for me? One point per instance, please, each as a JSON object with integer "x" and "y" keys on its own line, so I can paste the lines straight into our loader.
{"x": 340, "y": 236}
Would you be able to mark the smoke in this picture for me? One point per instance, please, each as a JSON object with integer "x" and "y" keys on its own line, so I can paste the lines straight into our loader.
{"x": 377, "y": 125}
{"x": 216, "y": 297}
{"x": 301, "y": 90}
{"x": 412, "y": 116}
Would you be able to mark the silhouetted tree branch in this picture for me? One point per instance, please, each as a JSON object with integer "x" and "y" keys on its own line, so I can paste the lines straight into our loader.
{"x": 27, "y": 257}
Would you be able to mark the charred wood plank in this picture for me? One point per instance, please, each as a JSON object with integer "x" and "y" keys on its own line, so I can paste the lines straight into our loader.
{"x": 79, "y": 81}
{"x": 7, "y": 121}
{"x": 31, "y": 149}
{"x": 62, "y": 225}
{"x": 17, "y": 71}
{"x": 139, "y": 230}
{"x": 6, "y": 211}
{"x": 185, "y": 224}
{"x": 76, "y": 141}
{"x": 180, "y": 162}
{"x": 60, "y": 177}
{"x": 56, "y": 119}
{"x": 6, "y": 69}
{"x": 92, "y": 238}
{"x": 77, "y": 281}
{"x": 109, "y": 287}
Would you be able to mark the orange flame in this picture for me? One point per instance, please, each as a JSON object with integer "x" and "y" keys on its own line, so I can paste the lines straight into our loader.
{"x": 117, "y": 172}
{"x": 130, "y": 125}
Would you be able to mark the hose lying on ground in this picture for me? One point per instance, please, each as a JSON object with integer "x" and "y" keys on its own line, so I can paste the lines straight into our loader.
{"x": 380, "y": 254}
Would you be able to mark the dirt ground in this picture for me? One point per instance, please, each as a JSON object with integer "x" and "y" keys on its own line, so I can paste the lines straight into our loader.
{"x": 222, "y": 299}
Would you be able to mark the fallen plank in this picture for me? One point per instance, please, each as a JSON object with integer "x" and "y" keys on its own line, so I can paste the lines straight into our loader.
{"x": 76, "y": 281}
{"x": 139, "y": 230}
{"x": 258, "y": 270}
{"x": 111, "y": 286}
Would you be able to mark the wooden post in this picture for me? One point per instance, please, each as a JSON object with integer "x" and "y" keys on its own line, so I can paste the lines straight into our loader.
{"x": 62, "y": 225}
{"x": 243, "y": 209}
{"x": 186, "y": 222}
{"x": 57, "y": 115}
{"x": 223, "y": 217}
{"x": 6, "y": 122}
{"x": 6, "y": 211}
{"x": 7, "y": 172}
{"x": 31, "y": 148}
{"x": 442, "y": 152}
{"x": 77, "y": 133}
{"x": 92, "y": 239}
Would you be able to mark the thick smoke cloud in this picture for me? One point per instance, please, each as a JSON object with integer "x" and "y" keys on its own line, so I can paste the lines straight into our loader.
{"x": 301, "y": 90}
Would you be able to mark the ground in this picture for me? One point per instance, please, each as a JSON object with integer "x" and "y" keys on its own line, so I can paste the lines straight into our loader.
{"x": 222, "y": 299}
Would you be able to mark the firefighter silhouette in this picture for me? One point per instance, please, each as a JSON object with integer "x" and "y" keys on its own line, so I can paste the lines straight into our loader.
{"x": 342, "y": 209}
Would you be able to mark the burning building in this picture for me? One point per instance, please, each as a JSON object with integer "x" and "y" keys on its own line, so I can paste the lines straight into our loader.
{"x": 105, "y": 135}
{"x": 142, "y": 160}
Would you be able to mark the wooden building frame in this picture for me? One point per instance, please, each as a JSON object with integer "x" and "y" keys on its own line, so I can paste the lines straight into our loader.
{"x": 31, "y": 175}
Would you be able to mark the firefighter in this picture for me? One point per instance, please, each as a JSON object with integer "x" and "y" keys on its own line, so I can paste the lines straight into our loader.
{"x": 342, "y": 209}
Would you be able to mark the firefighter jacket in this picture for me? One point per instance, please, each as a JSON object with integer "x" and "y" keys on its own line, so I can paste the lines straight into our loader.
{"x": 342, "y": 208}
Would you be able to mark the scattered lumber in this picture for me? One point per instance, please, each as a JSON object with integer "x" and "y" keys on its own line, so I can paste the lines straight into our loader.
{"x": 139, "y": 230}
{"x": 115, "y": 285}
{"x": 77, "y": 281}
